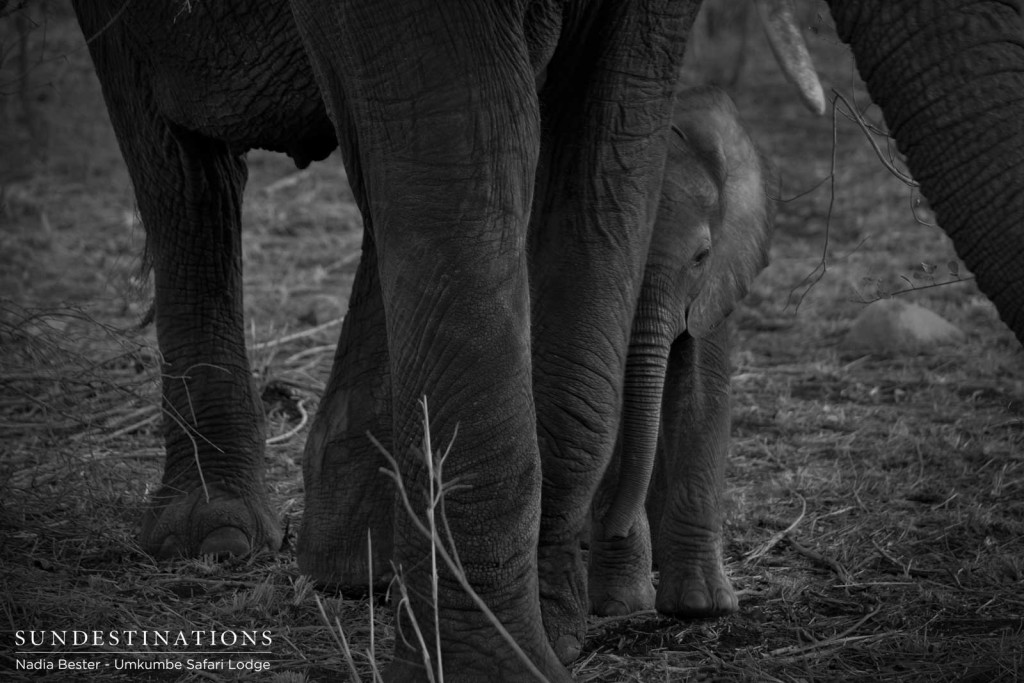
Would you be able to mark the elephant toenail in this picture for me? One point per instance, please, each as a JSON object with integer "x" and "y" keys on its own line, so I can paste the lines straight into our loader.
{"x": 696, "y": 602}
{"x": 171, "y": 547}
{"x": 567, "y": 648}
{"x": 225, "y": 542}
{"x": 614, "y": 608}
{"x": 726, "y": 601}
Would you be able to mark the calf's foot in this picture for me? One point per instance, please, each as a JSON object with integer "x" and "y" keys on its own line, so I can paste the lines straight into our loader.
{"x": 694, "y": 583}
{"x": 619, "y": 572}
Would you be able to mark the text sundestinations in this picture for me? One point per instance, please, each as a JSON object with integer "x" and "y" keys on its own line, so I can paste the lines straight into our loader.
{"x": 143, "y": 638}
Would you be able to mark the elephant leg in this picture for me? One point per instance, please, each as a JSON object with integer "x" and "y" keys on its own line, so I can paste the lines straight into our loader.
{"x": 619, "y": 567}
{"x": 441, "y": 150}
{"x": 598, "y": 181}
{"x": 346, "y": 494}
{"x": 212, "y": 499}
{"x": 686, "y": 496}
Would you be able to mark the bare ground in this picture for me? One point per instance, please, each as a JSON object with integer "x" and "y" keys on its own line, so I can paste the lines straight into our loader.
{"x": 875, "y": 504}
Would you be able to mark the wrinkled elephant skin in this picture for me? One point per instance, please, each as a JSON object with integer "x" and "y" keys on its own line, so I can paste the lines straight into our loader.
{"x": 711, "y": 238}
{"x": 465, "y": 191}
{"x": 507, "y": 160}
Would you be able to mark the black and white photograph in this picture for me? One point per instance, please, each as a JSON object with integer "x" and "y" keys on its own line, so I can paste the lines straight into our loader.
{"x": 512, "y": 340}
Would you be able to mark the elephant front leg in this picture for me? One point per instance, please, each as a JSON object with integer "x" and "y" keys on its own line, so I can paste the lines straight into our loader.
{"x": 603, "y": 153}
{"x": 618, "y": 567}
{"x": 619, "y": 570}
{"x": 346, "y": 494}
{"x": 437, "y": 117}
{"x": 580, "y": 333}
{"x": 685, "y": 503}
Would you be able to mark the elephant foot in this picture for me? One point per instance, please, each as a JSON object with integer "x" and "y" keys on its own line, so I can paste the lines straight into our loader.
{"x": 622, "y": 600}
{"x": 696, "y": 587}
{"x": 345, "y": 540}
{"x": 225, "y": 525}
{"x": 563, "y": 598}
{"x": 341, "y": 562}
{"x": 471, "y": 648}
{"x": 618, "y": 596}
{"x": 619, "y": 572}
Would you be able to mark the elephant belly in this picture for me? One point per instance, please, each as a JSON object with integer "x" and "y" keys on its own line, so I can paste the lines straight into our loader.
{"x": 243, "y": 80}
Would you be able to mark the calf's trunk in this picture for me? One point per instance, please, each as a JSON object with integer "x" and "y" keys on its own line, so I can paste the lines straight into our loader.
{"x": 641, "y": 419}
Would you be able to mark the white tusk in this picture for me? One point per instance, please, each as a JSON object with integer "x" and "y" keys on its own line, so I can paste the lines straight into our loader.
{"x": 790, "y": 50}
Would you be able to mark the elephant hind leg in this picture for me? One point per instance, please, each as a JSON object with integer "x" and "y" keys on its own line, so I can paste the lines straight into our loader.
{"x": 213, "y": 499}
{"x": 189, "y": 192}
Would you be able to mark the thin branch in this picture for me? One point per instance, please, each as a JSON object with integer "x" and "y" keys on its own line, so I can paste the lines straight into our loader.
{"x": 778, "y": 536}
{"x": 814, "y": 277}
{"x": 820, "y": 559}
{"x": 280, "y": 438}
{"x": 395, "y": 474}
{"x": 836, "y": 640}
{"x": 103, "y": 29}
{"x": 855, "y": 116}
{"x": 339, "y": 637}
{"x": 296, "y": 335}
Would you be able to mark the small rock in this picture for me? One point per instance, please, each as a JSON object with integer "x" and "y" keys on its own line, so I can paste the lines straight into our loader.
{"x": 894, "y": 325}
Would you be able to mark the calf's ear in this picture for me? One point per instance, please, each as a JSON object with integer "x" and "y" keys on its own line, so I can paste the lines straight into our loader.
{"x": 708, "y": 119}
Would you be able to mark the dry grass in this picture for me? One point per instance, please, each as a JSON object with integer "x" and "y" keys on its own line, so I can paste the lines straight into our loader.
{"x": 876, "y": 504}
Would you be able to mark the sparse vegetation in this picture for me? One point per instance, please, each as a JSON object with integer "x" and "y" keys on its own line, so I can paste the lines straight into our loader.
{"x": 876, "y": 504}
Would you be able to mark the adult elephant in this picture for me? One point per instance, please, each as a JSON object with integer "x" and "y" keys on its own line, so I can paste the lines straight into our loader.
{"x": 482, "y": 139}
{"x": 462, "y": 183}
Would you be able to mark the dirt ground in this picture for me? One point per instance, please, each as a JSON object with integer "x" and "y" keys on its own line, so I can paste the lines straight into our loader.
{"x": 875, "y": 502}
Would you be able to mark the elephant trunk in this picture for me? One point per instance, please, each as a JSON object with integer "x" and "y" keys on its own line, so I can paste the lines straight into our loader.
{"x": 644, "y": 386}
{"x": 949, "y": 77}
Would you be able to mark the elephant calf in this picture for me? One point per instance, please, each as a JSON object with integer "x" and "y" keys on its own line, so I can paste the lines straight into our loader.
{"x": 710, "y": 240}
